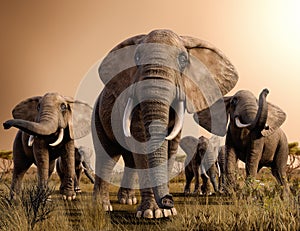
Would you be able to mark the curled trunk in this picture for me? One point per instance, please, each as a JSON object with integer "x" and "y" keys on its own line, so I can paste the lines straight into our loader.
{"x": 262, "y": 113}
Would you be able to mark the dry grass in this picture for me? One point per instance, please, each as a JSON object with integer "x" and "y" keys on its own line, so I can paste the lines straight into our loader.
{"x": 255, "y": 208}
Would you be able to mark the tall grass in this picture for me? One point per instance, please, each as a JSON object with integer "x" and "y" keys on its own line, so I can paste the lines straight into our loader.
{"x": 258, "y": 207}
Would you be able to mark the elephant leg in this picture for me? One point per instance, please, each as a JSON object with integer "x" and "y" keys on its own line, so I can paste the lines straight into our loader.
{"x": 197, "y": 180}
{"x": 148, "y": 204}
{"x": 126, "y": 193}
{"x": 253, "y": 158}
{"x": 104, "y": 171}
{"x": 230, "y": 169}
{"x": 68, "y": 166}
{"x": 78, "y": 173}
{"x": 189, "y": 175}
{"x": 107, "y": 156}
{"x": 279, "y": 167}
{"x": 51, "y": 167}
{"x": 41, "y": 155}
{"x": 205, "y": 187}
{"x": 212, "y": 173}
{"x": 21, "y": 165}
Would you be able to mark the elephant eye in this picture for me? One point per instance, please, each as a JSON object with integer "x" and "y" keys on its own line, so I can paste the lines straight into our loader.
{"x": 137, "y": 58}
{"x": 63, "y": 107}
{"x": 182, "y": 60}
{"x": 234, "y": 101}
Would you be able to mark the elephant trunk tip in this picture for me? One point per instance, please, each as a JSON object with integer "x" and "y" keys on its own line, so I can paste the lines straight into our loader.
{"x": 265, "y": 91}
{"x": 7, "y": 125}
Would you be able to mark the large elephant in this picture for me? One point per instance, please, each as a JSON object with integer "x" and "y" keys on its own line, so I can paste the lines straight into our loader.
{"x": 150, "y": 80}
{"x": 203, "y": 155}
{"x": 254, "y": 136}
{"x": 48, "y": 126}
{"x": 82, "y": 164}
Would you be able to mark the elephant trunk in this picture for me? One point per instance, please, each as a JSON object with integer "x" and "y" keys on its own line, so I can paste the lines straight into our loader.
{"x": 157, "y": 99}
{"x": 47, "y": 125}
{"x": 156, "y": 123}
{"x": 260, "y": 120}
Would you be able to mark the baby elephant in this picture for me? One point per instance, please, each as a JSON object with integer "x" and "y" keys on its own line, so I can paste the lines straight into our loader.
{"x": 82, "y": 164}
{"x": 202, "y": 153}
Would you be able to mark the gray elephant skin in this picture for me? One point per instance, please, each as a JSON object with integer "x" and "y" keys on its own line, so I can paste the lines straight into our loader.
{"x": 203, "y": 155}
{"x": 47, "y": 127}
{"x": 254, "y": 136}
{"x": 150, "y": 80}
{"x": 82, "y": 164}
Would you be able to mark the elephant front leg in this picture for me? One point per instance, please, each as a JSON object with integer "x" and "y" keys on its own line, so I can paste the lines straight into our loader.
{"x": 230, "y": 170}
{"x": 253, "y": 158}
{"x": 189, "y": 175}
{"x": 68, "y": 165}
{"x": 104, "y": 170}
{"x": 197, "y": 180}
{"x": 41, "y": 155}
{"x": 126, "y": 193}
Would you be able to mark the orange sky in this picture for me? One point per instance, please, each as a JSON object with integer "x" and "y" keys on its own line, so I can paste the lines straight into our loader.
{"x": 50, "y": 45}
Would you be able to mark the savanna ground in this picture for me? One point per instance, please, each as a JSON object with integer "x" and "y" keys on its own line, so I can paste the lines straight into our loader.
{"x": 255, "y": 208}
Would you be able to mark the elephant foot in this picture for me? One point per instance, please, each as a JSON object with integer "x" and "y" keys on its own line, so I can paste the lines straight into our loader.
{"x": 127, "y": 196}
{"x": 197, "y": 192}
{"x": 107, "y": 207}
{"x": 67, "y": 189}
{"x": 68, "y": 198}
{"x": 150, "y": 210}
{"x": 77, "y": 189}
{"x": 186, "y": 191}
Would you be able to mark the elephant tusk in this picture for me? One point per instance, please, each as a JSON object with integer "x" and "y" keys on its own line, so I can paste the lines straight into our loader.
{"x": 178, "y": 120}
{"x": 30, "y": 140}
{"x": 59, "y": 139}
{"x": 127, "y": 117}
{"x": 219, "y": 170}
{"x": 239, "y": 124}
{"x": 82, "y": 166}
{"x": 203, "y": 171}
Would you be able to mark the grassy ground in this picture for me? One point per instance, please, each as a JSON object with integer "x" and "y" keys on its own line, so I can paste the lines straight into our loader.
{"x": 256, "y": 208}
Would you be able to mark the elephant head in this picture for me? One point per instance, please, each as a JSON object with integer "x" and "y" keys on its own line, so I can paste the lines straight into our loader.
{"x": 205, "y": 150}
{"x": 154, "y": 79}
{"x": 51, "y": 115}
{"x": 246, "y": 111}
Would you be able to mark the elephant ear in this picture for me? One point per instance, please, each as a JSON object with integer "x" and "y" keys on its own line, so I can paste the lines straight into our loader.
{"x": 215, "y": 118}
{"x": 27, "y": 109}
{"x": 80, "y": 120}
{"x": 208, "y": 76}
{"x": 276, "y": 118}
{"x": 118, "y": 67}
{"x": 189, "y": 145}
{"x": 212, "y": 152}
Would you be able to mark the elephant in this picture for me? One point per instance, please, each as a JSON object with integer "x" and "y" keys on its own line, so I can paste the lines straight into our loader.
{"x": 82, "y": 164}
{"x": 47, "y": 127}
{"x": 254, "y": 136}
{"x": 150, "y": 80}
{"x": 201, "y": 153}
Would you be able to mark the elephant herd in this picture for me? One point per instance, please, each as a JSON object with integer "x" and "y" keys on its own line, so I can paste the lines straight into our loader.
{"x": 151, "y": 80}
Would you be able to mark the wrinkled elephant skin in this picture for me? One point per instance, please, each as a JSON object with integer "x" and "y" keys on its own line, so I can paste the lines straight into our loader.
{"x": 47, "y": 127}
{"x": 150, "y": 81}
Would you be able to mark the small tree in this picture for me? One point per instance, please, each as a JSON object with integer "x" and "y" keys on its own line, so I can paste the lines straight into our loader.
{"x": 294, "y": 159}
